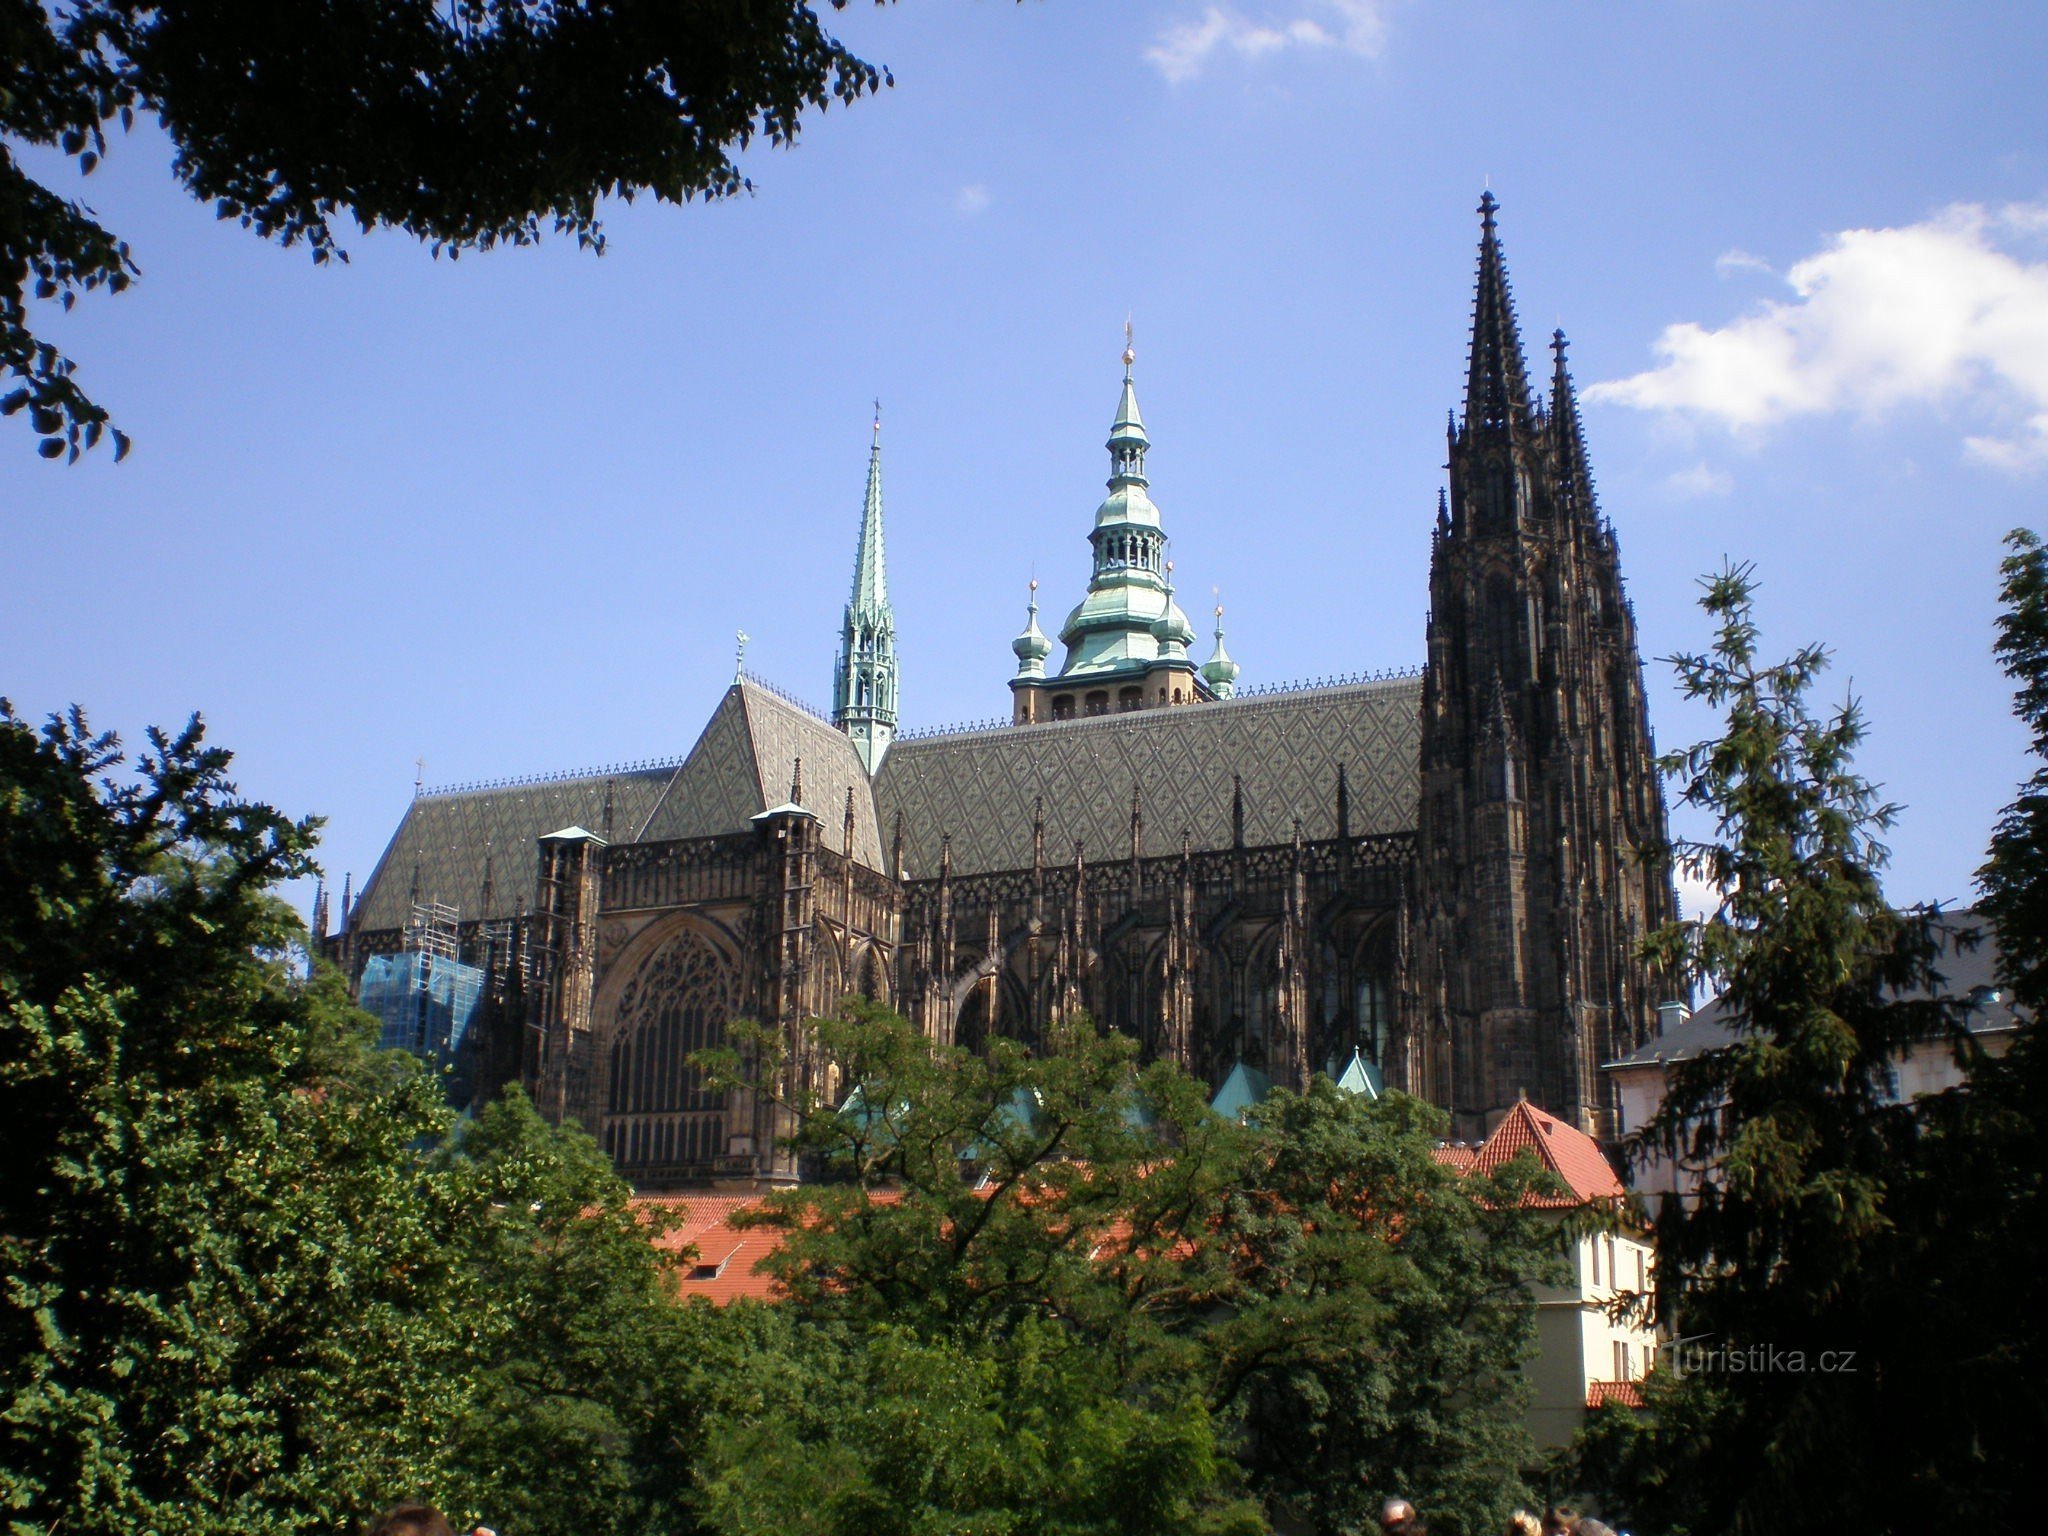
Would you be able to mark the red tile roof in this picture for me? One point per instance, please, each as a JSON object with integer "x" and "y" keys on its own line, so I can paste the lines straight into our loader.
{"x": 727, "y": 1266}
{"x": 1627, "y": 1393}
{"x": 1563, "y": 1149}
{"x": 728, "y": 1258}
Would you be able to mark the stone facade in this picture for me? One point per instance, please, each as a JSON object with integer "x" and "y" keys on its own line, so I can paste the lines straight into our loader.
{"x": 1444, "y": 873}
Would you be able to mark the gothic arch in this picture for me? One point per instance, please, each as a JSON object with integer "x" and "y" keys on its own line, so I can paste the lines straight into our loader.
{"x": 871, "y": 975}
{"x": 658, "y": 1112}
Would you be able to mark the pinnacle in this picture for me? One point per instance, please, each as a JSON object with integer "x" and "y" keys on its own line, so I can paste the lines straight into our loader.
{"x": 1496, "y": 386}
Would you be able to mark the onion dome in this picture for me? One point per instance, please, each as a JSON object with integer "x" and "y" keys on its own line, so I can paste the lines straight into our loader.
{"x": 1219, "y": 671}
{"x": 1032, "y": 647}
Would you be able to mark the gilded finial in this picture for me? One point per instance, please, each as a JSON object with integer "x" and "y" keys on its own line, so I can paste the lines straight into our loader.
{"x": 878, "y": 425}
{"x": 1130, "y": 348}
{"x": 739, "y": 654}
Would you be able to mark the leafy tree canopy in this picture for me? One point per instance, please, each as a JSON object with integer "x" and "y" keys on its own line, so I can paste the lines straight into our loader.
{"x": 1124, "y": 1311}
{"x": 256, "y": 1279}
{"x": 466, "y": 123}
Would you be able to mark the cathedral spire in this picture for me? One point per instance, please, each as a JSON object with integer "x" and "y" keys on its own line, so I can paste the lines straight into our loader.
{"x": 1127, "y": 439}
{"x": 1497, "y": 386}
{"x": 1568, "y": 437}
{"x": 1219, "y": 671}
{"x": 864, "y": 691}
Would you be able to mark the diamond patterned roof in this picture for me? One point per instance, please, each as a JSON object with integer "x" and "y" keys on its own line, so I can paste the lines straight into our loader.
{"x": 446, "y": 837}
{"x": 980, "y": 786}
{"x": 740, "y": 766}
{"x": 743, "y": 764}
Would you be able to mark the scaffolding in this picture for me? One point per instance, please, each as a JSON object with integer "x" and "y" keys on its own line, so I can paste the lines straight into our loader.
{"x": 424, "y": 997}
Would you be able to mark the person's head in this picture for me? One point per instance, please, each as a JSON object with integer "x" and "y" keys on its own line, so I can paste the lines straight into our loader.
{"x": 411, "y": 1520}
{"x": 1522, "y": 1523}
{"x": 1397, "y": 1515}
{"x": 1558, "y": 1521}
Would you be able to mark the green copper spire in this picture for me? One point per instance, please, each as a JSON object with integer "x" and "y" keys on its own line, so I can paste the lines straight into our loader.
{"x": 864, "y": 691}
{"x": 1171, "y": 631}
{"x": 1111, "y": 631}
{"x": 1032, "y": 647}
{"x": 1219, "y": 671}
{"x": 1127, "y": 439}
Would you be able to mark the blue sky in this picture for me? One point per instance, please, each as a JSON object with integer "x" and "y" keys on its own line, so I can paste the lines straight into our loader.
{"x": 505, "y": 514}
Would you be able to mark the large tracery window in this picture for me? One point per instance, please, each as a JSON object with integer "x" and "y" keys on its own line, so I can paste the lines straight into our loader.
{"x": 659, "y": 1111}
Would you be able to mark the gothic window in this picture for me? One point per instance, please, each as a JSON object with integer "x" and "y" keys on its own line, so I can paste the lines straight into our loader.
{"x": 1098, "y": 702}
{"x": 1375, "y": 1017}
{"x": 659, "y": 1110}
{"x": 1063, "y": 706}
{"x": 1130, "y": 698}
{"x": 872, "y": 986}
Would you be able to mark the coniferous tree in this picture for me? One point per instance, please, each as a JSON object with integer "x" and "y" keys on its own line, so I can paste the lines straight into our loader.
{"x": 1840, "y": 1280}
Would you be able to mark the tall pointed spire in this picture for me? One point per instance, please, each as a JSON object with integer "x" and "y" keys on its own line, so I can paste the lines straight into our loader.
{"x": 870, "y": 570}
{"x": 1127, "y": 439}
{"x": 1497, "y": 385}
{"x": 1568, "y": 437}
{"x": 1219, "y": 671}
{"x": 864, "y": 690}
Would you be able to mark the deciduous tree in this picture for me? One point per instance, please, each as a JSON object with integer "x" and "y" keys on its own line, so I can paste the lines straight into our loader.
{"x": 468, "y": 124}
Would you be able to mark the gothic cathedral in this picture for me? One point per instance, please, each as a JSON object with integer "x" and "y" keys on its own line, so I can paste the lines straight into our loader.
{"x": 1435, "y": 882}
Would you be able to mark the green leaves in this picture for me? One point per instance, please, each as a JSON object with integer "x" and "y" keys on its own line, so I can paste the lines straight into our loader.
{"x": 256, "y": 1276}
{"x": 466, "y": 127}
{"x": 1055, "y": 1292}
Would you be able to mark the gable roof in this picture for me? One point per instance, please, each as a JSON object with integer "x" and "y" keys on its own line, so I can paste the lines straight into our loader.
{"x": 450, "y": 836}
{"x": 1564, "y": 1150}
{"x": 1242, "y": 1088}
{"x": 741, "y": 765}
{"x": 981, "y": 786}
{"x": 744, "y": 764}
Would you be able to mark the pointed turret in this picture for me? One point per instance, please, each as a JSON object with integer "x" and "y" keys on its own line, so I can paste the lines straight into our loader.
{"x": 1171, "y": 631}
{"x": 1496, "y": 384}
{"x": 1031, "y": 647}
{"x": 1568, "y": 439}
{"x": 864, "y": 691}
{"x": 1127, "y": 439}
{"x": 1219, "y": 671}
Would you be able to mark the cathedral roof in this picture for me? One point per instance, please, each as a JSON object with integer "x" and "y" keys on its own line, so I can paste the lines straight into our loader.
{"x": 448, "y": 839}
{"x": 745, "y": 763}
{"x": 981, "y": 787}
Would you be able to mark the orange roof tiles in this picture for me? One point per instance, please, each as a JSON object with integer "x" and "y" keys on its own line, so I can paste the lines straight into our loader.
{"x": 727, "y": 1266}
{"x": 729, "y": 1257}
{"x": 1563, "y": 1149}
{"x": 1627, "y": 1393}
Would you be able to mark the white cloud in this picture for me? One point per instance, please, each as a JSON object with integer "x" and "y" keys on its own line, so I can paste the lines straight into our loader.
{"x": 1699, "y": 482}
{"x": 970, "y": 200}
{"x": 1728, "y": 263}
{"x": 1934, "y": 313}
{"x": 1698, "y": 897}
{"x": 1185, "y": 48}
